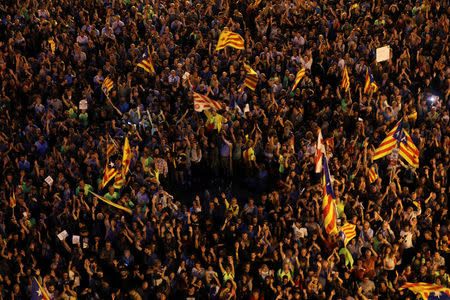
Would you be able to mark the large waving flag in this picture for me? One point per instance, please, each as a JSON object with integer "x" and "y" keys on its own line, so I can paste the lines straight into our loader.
{"x": 320, "y": 152}
{"x": 389, "y": 143}
{"x": 328, "y": 203}
{"x": 37, "y": 292}
{"x": 251, "y": 79}
{"x": 202, "y": 103}
{"x": 146, "y": 62}
{"x": 112, "y": 203}
{"x": 298, "y": 77}
{"x": 429, "y": 291}
{"x": 231, "y": 39}
{"x": 370, "y": 85}
{"x": 107, "y": 85}
{"x": 345, "y": 80}
{"x": 399, "y": 138}
{"x": 348, "y": 231}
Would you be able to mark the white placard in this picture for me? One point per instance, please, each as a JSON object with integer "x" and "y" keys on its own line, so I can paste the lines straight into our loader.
{"x": 75, "y": 239}
{"x": 383, "y": 53}
{"x": 49, "y": 180}
{"x": 62, "y": 235}
{"x": 246, "y": 108}
{"x": 83, "y": 104}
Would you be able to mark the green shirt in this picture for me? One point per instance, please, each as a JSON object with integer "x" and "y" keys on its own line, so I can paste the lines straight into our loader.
{"x": 110, "y": 197}
{"x": 84, "y": 119}
{"x": 87, "y": 188}
{"x": 26, "y": 189}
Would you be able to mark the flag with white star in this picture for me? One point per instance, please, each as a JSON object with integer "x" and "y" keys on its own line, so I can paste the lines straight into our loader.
{"x": 37, "y": 292}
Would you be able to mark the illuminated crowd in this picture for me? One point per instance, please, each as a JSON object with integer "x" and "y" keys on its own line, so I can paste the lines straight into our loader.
{"x": 223, "y": 203}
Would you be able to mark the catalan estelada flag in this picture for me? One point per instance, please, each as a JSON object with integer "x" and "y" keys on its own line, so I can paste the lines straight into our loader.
{"x": 107, "y": 85}
{"x": 298, "y": 77}
{"x": 251, "y": 79}
{"x": 37, "y": 292}
{"x": 408, "y": 150}
{"x": 12, "y": 200}
{"x": 370, "y": 86}
{"x": 112, "y": 203}
{"x": 347, "y": 232}
{"x": 231, "y": 39}
{"x": 429, "y": 291}
{"x": 399, "y": 138}
{"x": 146, "y": 62}
{"x": 373, "y": 174}
{"x": 109, "y": 173}
{"x": 345, "y": 80}
{"x": 328, "y": 202}
{"x": 119, "y": 180}
{"x": 110, "y": 147}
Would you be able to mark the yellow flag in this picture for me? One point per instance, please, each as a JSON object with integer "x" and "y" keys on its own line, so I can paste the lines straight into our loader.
{"x": 126, "y": 158}
{"x": 112, "y": 203}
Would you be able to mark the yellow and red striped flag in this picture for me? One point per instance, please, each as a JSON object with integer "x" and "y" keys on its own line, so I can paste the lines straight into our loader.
{"x": 373, "y": 174}
{"x": 251, "y": 79}
{"x": 399, "y": 138}
{"x": 328, "y": 202}
{"x": 428, "y": 291}
{"x": 370, "y": 85}
{"x": 348, "y": 231}
{"x": 202, "y": 103}
{"x": 110, "y": 147}
{"x": 107, "y": 85}
{"x": 389, "y": 143}
{"x": 12, "y": 200}
{"x": 109, "y": 173}
{"x": 408, "y": 150}
{"x": 298, "y": 77}
{"x": 231, "y": 39}
{"x": 112, "y": 203}
{"x": 119, "y": 180}
{"x": 146, "y": 62}
{"x": 345, "y": 80}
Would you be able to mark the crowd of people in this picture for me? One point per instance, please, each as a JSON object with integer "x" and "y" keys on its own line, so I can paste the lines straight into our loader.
{"x": 224, "y": 204}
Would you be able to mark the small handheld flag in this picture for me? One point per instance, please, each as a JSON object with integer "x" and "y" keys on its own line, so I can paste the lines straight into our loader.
{"x": 146, "y": 62}
{"x": 348, "y": 231}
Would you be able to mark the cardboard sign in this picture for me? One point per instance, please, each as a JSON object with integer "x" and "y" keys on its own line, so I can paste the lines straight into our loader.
{"x": 49, "y": 180}
{"x": 62, "y": 235}
{"x": 83, "y": 104}
{"x": 75, "y": 239}
{"x": 383, "y": 53}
